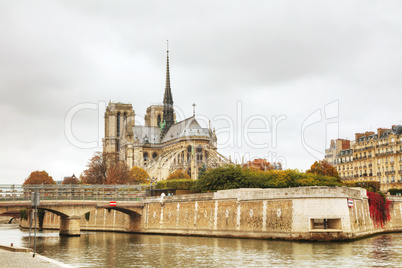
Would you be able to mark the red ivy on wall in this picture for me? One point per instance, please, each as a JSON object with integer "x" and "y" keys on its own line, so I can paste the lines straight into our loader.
{"x": 379, "y": 208}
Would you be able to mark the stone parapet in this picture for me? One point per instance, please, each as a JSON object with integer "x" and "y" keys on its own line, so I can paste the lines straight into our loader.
{"x": 296, "y": 192}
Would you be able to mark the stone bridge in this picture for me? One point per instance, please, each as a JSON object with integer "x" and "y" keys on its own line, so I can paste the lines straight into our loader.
{"x": 71, "y": 202}
{"x": 70, "y": 212}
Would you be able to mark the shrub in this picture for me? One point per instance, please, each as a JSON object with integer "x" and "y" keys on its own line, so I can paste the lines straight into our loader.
{"x": 379, "y": 208}
{"x": 232, "y": 177}
{"x": 372, "y": 186}
{"x": 179, "y": 174}
{"x": 176, "y": 184}
{"x": 395, "y": 191}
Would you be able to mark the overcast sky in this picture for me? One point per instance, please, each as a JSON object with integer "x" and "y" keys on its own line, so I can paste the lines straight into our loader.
{"x": 299, "y": 73}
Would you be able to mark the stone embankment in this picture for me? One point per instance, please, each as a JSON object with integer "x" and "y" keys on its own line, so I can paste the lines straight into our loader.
{"x": 8, "y": 258}
{"x": 303, "y": 213}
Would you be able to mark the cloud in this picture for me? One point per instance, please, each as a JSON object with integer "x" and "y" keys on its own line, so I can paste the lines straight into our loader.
{"x": 277, "y": 58}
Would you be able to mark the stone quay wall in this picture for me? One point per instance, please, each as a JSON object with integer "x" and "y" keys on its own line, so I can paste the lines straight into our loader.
{"x": 288, "y": 213}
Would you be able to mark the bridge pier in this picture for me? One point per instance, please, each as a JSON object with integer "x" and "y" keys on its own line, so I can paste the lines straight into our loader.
{"x": 70, "y": 226}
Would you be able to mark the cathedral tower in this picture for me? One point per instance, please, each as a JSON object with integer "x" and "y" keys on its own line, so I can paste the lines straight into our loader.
{"x": 117, "y": 116}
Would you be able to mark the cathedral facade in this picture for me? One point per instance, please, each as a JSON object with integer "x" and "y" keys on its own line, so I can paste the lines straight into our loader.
{"x": 162, "y": 145}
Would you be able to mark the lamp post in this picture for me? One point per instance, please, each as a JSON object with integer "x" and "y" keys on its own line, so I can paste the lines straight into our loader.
{"x": 150, "y": 185}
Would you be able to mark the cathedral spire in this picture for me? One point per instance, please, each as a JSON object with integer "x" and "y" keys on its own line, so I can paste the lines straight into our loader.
{"x": 168, "y": 99}
{"x": 168, "y": 113}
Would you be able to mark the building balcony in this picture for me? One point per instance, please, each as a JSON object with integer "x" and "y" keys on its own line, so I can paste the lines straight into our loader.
{"x": 370, "y": 165}
{"x": 356, "y": 176}
{"x": 370, "y": 174}
{"x": 378, "y": 173}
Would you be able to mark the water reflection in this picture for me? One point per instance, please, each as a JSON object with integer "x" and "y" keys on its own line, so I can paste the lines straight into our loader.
{"x": 97, "y": 249}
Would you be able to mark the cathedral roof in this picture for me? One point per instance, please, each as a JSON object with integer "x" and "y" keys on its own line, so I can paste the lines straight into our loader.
{"x": 145, "y": 134}
{"x": 187, "y": 128}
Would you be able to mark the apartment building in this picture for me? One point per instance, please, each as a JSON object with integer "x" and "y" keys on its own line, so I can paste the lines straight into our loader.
{"x": 373, "y": 157}
{"x": 334, "y": 149}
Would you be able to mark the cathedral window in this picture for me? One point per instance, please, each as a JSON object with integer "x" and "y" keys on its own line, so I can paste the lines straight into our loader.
{"x": 146, "y": 157}
{"x": 154, "y": 155}
{"x": 199, "y": 154}
{"x": 189, "y": 152}
{"x": 118, "y": 124}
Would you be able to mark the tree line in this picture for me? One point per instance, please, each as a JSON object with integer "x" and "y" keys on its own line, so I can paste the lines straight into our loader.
{"x": 101, "y": 169}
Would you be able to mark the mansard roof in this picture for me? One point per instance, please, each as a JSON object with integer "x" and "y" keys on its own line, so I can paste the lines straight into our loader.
{"x": 187, "y": 128}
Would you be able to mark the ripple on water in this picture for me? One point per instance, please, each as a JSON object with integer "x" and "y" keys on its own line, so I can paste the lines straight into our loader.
{"x": 96, "y": 249}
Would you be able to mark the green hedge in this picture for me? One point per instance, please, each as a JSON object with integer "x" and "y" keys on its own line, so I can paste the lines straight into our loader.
{"x": 395, "y": 191}
{"x": 233, "y": 177}
{"x": 372, "y": 186}
{"x": 176, "y": 184}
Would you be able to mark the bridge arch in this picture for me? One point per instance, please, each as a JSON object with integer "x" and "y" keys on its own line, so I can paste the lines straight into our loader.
{"x": 135, "y": 214}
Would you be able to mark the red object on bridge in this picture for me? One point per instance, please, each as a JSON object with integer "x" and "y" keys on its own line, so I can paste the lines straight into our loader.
{"x": 112, "y": 203}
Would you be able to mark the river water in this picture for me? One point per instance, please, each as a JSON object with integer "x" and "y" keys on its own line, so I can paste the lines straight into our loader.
{"x": 106, "y": 249}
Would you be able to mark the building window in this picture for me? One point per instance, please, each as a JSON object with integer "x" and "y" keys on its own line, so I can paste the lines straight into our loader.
{"x": 154, "y": 155}
{"x": 118, "y": 124}
{"x": 189, "y": 152}
{"x": 199, "y": 154}
{"x": 146, "y": 157}
{"x": 324, "y": 224}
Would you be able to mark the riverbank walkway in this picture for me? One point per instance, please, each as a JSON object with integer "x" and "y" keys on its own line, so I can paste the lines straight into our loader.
{"x": 10, "y": 259}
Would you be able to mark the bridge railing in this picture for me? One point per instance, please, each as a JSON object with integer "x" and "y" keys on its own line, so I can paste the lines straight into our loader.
{"x": 14, "y": 192}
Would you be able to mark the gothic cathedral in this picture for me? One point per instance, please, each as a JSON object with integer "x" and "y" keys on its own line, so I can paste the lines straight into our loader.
{"x": 162, "y": 145}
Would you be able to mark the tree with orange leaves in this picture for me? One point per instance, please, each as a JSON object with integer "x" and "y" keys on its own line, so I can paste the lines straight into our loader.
{"x": 97, "y": 168}
{"x": 138, "y": 175}
{"x": 179, "y": 174}
{"x": 71, "y": 180}
{"x": 39, "y": 177}
{"x": 258, "y": 164}
{"x": 117, "y": 174}
{"x": 323, "y": 168}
